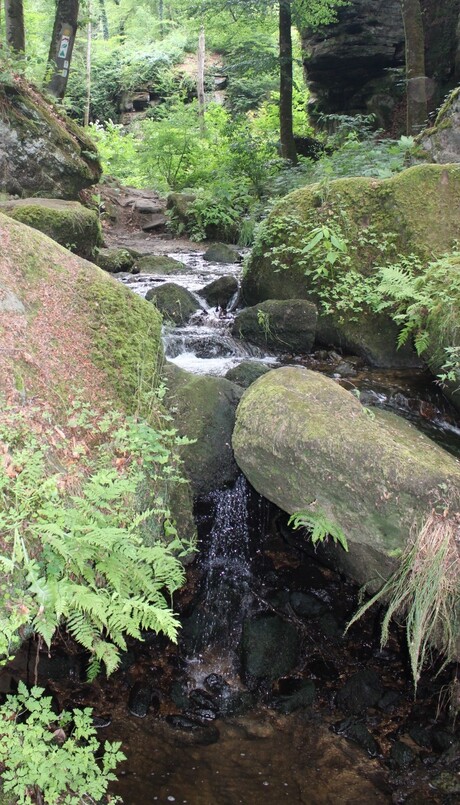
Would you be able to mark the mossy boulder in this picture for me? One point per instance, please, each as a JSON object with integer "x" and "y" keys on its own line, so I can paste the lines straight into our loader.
{"x": 175, "y": 303}
{"x": 247, "y": 372}
{"x": 114, "y": 260}
{"x": 304, "y": 441}
{"x": 67, "y": 222}
{"x": 278, "y": 324}
{"x": 222, "y": 253}
{"x": 42, "y": 151}
{"x": 441, "y": 142}
{"x": 70, "y": 331}
{"x": 77, "y": 326}
{"x": 220, "y": 291}
{"x": 372, "y": 336}
{"x": 443, "y": 324}
{"x": 159, "y": 264}
{"x": 414, "y": 212}
{"x": 203, "y": 408}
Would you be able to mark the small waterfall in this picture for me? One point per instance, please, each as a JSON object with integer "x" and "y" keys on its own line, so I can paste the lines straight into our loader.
{"x": 227, "y": 577}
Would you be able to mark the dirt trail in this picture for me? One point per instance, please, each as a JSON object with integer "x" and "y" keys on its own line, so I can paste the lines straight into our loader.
{"x": 136, "y": 219}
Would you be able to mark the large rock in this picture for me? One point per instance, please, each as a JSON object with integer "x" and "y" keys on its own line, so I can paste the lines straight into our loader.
{"x": 175, "y": 303}
{"x": 415, "y": 212}
{"x": 353, "y": 66}
{"x": 302, "y": 440}
{"x": 441, "y": 142}
{"x": 42, "y": 152}
{"x": 278, "y": 324}
{"x": 67, "y": 222}
{"x": 159, "y": 264}
{"x": 70, "y": 333}
{"x": 220, "y": 291}
{"x": 203, "y": 408}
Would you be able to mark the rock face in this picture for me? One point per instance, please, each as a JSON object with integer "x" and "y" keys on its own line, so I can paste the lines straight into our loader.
{"x": 357, "y": 64}
{"x": 441, "y": 143}
{"x": 415, "y": 212}
{"x": 67, "y": 222}
{"x": 278, "y": 324}
{"x": 302, "y": 440}
{"x": 42, "y": 152}
{"x": 350, "y": 65}
{"x": 203, "y": 408}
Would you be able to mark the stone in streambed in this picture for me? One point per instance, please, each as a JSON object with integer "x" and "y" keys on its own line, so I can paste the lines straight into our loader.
{"x": 175, "y": 303}
{"x": 364, "y": 689}
{"x": 247, "y": 372}
{"x": 114, "y": 260}
{"x": 269, "y": 647}
{"x": 222, "y": 253}
{"x": 219, "y": 292}
{"x": 301, "y": 438}
{"x": 356, "y": 731}
{"x": 203, "y": 408}
{"x": 278, "y": 324}
{"x": 159, "y": 264}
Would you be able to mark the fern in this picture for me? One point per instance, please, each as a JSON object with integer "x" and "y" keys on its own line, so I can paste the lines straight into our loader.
{"x": 319, "y": 525}
{"x": 90, "y": 567}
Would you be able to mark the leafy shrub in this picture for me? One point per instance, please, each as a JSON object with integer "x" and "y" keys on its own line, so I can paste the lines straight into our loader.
{"x": 52, "y": 758}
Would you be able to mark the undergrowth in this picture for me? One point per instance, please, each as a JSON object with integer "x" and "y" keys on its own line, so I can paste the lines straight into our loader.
{"x": 90, "y": 543}
{"x": 50, "y": 758}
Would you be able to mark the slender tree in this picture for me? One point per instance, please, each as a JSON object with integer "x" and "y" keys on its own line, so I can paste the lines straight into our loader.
{"x": 104, "y": 20}
{"x": 200, "y": 80}
{"x": 14, "y": 26}
{"x": 62, "y": 42}
{"x": 89, "y": 31}
{"x": 288, "y": 148}
{"x": 415, "y": 65}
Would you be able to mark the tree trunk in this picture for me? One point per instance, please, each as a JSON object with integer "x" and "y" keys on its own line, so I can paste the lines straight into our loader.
{"x": 415, "y": 65}
{"x": 62, "y": 41}
{"x": 161, "y": 17}
{"x": 14, "y": 26}
{"x": 88, "y": 68}
{"x": 288, "y": 149}
{"x": 200, "y": 80}
{"x": 104, "y": 20}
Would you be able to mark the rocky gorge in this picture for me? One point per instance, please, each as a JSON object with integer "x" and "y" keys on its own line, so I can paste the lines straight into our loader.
{"x": 263, "y": 686}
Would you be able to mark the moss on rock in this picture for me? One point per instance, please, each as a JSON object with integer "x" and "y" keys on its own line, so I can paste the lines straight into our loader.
{"x": 67, "y": 222}
{"x": 42, "y": 151}
{"x": 303, "y": 441}
{"x": 203, "y": 408}
{"x": 159, "y": 264}
{"x": 414, "y": 212}
{"x": 278, "y": 324}
{"x": 175, "y": 303}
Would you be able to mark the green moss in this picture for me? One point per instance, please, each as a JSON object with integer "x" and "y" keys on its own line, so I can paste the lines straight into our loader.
{"x": 413, "y": 212}
{"x": 126, "y": 340}
{"x": 67, "y": 222}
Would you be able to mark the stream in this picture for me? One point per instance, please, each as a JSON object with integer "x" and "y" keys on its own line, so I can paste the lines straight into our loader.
{"x": 331, "y": 719}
